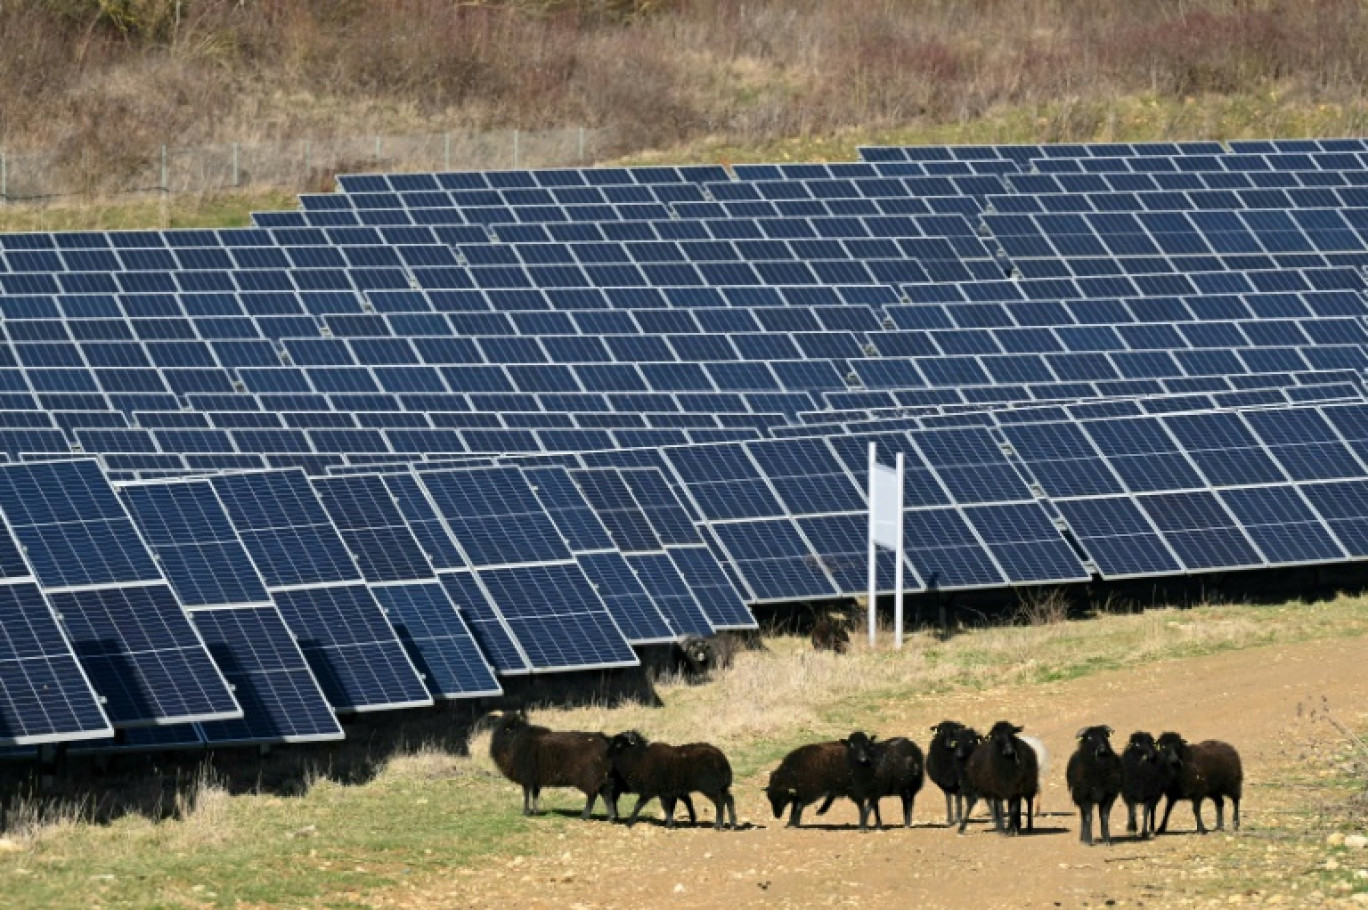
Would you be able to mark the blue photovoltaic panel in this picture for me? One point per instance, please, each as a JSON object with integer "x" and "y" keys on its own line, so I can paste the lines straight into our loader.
{"x": 351, "y": 647}
{"x": 557, "y": 617}
{"x": 569, "y": 511}
{"x": 319, "y": 589}
{"x": 773, "y": 561}
{"x": 437, "y": 640}
{"x": 1304, "y": 443}
{"x": 1118, "y": 537}
{"x": 1062, "y": 459}
{"x": 808, "y": 477}
{"x": 143, "y": 656}
{"x": 841, "y": 542}
{"x": 631, "y": 605}
{"x": 971, "y": 465}
{"x": 423, "y": 521}
{"x": 494, "y": 516}
{"x": 485, "y": 621}
{"x": 612, "y": 501}
{"x": 374, "y": 529}
{"x": 132, "y": 637}
{"x": 281, "y": 700}
{"x": 723, "y": 482}
{"x": 670, "y": 593}
{"x": 1143, "y": 455}
{"x": 210, "y": 571}
{"x": 1282, "y": 525}
{"x": 196, "y": 546}
{"x": 945, "y": 553}
{"x": 722, "y": 603}
{"x": 1026, "y": 543}
{"x": 287, "y": 532}
{"x": 1203, "y": 534}
{"x": 1223, "y": 448}
{"x": 662, "y": 509}
{"x": 44, "y": 694}
{"x": 1344, "y": 506}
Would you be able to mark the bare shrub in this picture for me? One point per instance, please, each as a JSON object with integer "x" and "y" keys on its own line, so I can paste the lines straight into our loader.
{"x": 1048, "y": 607}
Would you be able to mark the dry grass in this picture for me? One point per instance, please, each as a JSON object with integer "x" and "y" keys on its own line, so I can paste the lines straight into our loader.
{"x": 108, "y": 80}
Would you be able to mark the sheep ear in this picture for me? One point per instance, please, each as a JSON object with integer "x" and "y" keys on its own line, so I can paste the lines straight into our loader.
{"x": 1109, "y": 730}
{"x": 1017, "y": 729}
{"x": 1079, "y": 734}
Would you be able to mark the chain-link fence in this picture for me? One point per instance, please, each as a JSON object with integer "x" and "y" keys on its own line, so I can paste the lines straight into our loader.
{"x": 307, "y": 165}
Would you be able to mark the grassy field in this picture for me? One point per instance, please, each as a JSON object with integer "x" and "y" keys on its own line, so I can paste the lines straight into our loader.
{"x": 427, "y": 811}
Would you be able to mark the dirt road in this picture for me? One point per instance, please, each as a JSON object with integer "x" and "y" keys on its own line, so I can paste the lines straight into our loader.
{"x": 1249, "y": 698}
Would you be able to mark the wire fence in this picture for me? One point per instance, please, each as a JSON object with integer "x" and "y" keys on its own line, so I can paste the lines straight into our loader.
{"x": 307, "y": 165}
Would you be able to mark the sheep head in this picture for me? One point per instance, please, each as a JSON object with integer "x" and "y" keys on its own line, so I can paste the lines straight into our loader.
{"x": 1098, "y": 739}
{"x": 1142, "y": 743}
{"x": 627, "y": 741}
{"x": 860, "y": 748}
{"x": 1173, "y": 749}
{"x": 1003, "y": 737}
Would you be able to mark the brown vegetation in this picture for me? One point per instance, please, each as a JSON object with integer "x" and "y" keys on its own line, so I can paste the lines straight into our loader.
{"x": 111, "y": 78}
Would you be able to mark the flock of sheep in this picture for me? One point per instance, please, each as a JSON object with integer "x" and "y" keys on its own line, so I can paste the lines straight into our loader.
{"x": 1003, "y": 769}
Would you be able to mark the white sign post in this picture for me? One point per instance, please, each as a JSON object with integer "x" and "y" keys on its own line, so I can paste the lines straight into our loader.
{"x": 886, "y": 530}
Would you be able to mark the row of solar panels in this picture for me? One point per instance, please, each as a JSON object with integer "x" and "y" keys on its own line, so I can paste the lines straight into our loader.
{"x": 253, "y": 607}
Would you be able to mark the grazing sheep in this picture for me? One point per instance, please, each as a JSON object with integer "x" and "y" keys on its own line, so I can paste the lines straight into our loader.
{"x": 1035, "y": 805}
{"x": 1094, "y": 777}
{"x": 694, "y": 658}
{"x": 1207, "y": 770}
{"x": 1144, "y": 779}
{"x": 829, "y": 635}
{"x": 807, "y": 774}
{"x": 894, "y": 767}
{"x": 536, "y": 757}
{"x": 1002, "y": 769}
{"x": 945, "y": 766}
{"x": 671, "y": 773}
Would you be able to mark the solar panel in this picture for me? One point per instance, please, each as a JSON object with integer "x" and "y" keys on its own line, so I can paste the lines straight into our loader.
{"x": 129, "y": 632}
{"x": 545, "y": 600}
{"x": 209, "y": 569}
{"x": 342, "y": 630}
{"x": 1118, "y": 537}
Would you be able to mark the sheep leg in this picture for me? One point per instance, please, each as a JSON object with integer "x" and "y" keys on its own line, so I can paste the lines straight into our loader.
{"x": 1104, "y": 813}
{"x": 731, "y": 807}
{"x": 1147, "y": 818}
{"x": 1030, "y": 813}
{"x": 527, "y": 800}
{"x": 1085, "y": 823}
{"x": 1197, "y": 813}
{"x": 995, "y": 809}
{"x": 1130, "y": 817}
{"x": 796, "y": 815}
{"x": 536, "y": 801}
{"x": 589, "y": 807}
{"x": 636, "y": 810}
{"x": 667, "y": 803}
{"x": 1168, "y": 807}
{"x": 1235, "y": 812}
{"x": 950, "y": 818}
{"x": 964, "y": 816}
{"x": 1220, "y": 812}
{"x": 610, "y": 802}
{"x": 878, "y": 819}
{"x": 908, "y": 803}
{"x": 826, "y": 804}
{"x": 719, "y": 810}
{"x": 1014, "y": 815}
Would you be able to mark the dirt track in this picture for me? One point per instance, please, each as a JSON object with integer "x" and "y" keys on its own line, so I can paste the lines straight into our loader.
{"x": 1249, "y": 698}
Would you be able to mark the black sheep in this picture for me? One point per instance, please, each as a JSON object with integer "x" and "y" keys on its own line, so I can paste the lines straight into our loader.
{"x": 1094, "y": 778}
{"x": 1144, "y": 779}
{"x": 806, "y": 775}
{"x": 670, "y": 773}
{"x": 950, "y": 748}
{"x": 536, "y": 757}
{"x": 1206, "y": 770}
{"x": 894, "y": 767}
{"x": 830, "y": 635}
{"x": 1002, "y": 769}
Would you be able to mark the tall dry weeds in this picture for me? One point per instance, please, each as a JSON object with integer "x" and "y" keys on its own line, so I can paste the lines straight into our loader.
{"x": 109, "y": 79}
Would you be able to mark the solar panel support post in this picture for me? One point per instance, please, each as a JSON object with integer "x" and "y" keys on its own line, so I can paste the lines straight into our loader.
{"x": 873, "y": 546}
{"x": 899, "y": 559}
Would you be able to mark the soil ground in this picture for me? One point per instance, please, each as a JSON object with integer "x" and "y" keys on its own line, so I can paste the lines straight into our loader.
{"x": 1259, "y": 699}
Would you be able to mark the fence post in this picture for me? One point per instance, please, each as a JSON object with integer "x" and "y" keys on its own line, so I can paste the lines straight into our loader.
{"x": 164, "y": 187}
{"x": 517, "y": 154}
{"x": 446, "y": 150}
{"x": 237, "y": 180}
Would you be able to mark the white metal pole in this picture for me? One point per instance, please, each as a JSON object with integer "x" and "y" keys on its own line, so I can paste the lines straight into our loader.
{"x": 873, "y": 547}
{"x": 898, "y": 556}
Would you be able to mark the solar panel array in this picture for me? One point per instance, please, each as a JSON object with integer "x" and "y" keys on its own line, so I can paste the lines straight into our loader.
{"x": 434, "y": 430}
